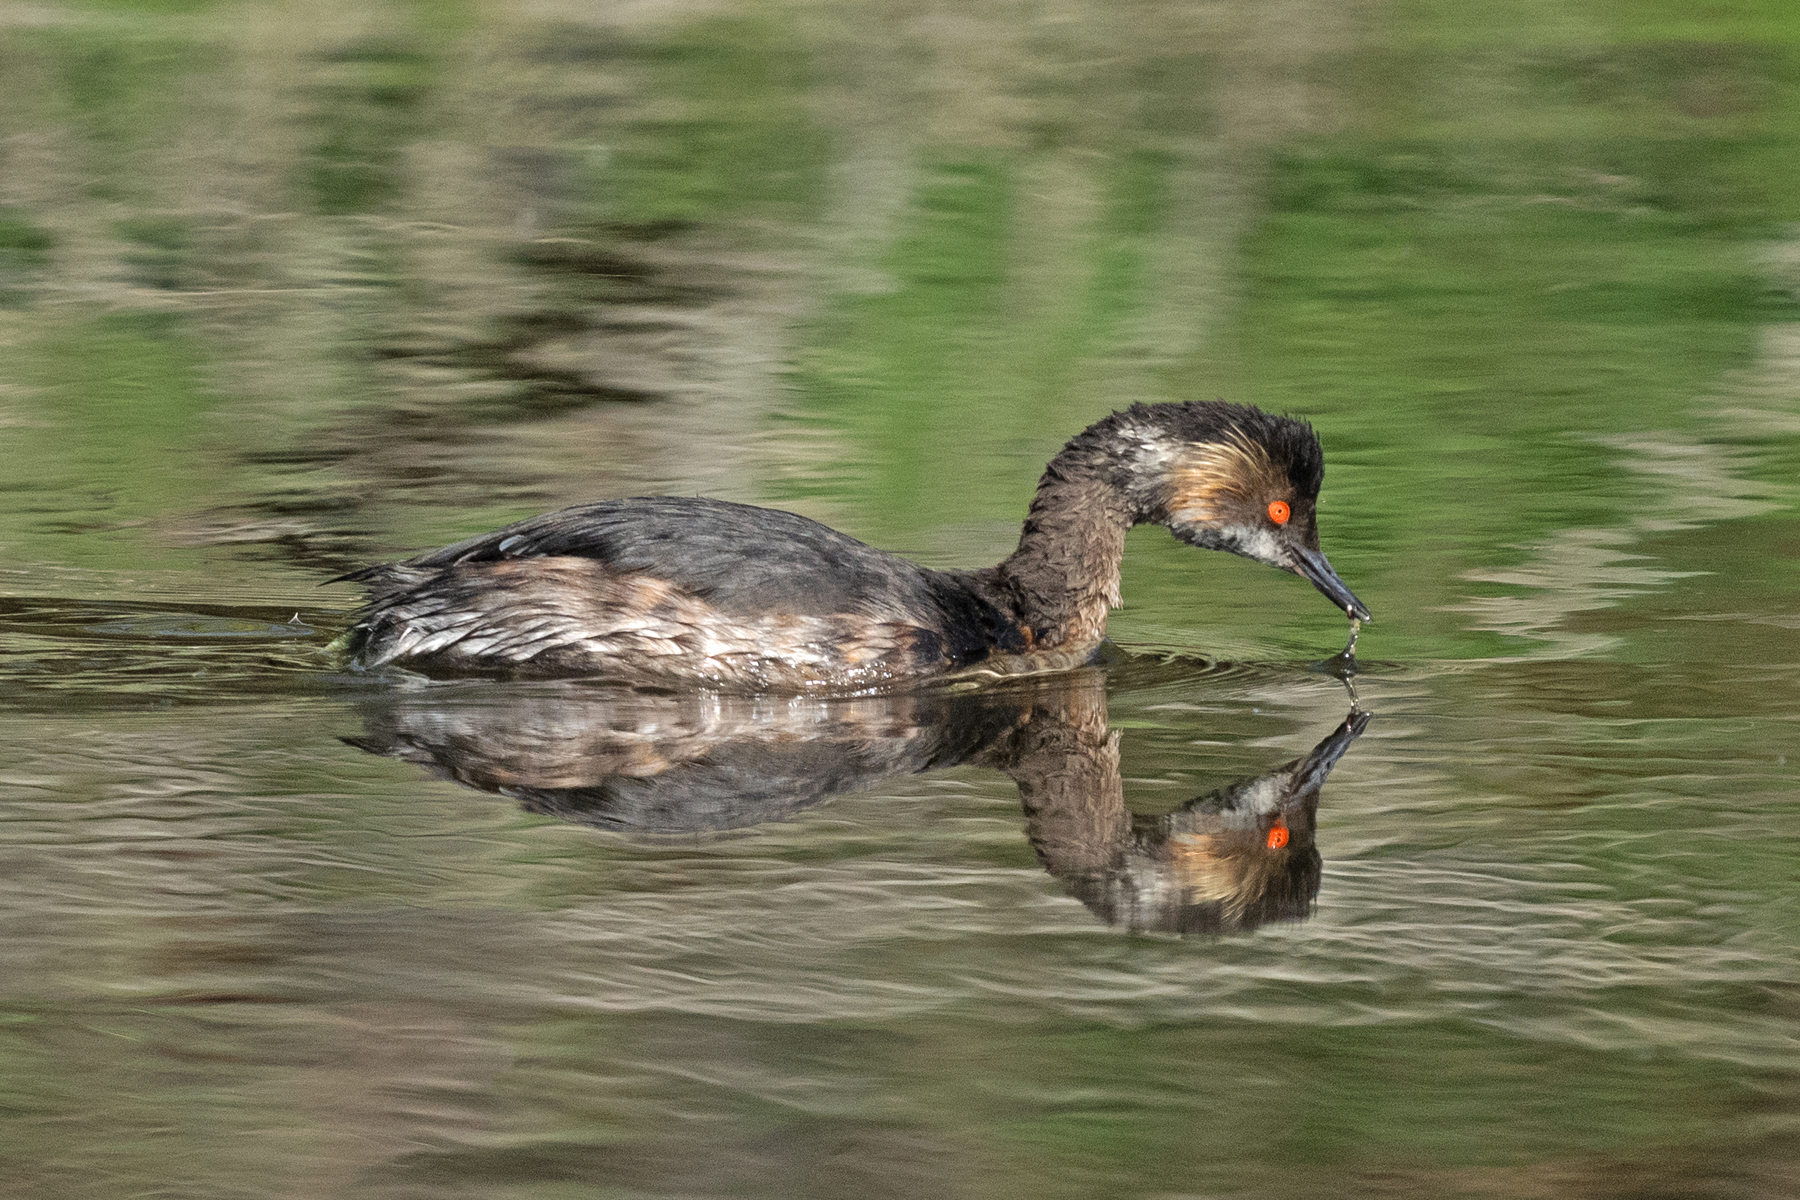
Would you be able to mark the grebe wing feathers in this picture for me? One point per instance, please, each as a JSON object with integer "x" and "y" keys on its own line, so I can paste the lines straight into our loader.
{"x": 739, "y": 558}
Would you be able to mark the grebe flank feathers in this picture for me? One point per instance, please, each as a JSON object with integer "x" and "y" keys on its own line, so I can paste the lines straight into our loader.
{"x": 671, "y": 589}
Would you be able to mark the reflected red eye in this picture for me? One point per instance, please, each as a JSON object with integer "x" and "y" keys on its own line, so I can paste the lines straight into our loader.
{"x": 1279, "y": 512}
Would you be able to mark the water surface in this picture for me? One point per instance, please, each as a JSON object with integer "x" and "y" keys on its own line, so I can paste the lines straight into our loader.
{"x": 281, "y": 295}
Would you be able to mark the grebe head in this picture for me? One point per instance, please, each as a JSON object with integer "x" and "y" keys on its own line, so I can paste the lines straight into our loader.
{"x": 1228, "y": 477}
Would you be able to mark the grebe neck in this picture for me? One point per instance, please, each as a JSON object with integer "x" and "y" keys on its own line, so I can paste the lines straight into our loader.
{"x": 1065, "y": 572}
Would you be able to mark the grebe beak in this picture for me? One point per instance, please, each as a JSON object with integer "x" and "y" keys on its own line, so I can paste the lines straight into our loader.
{"x": 1312, "y": 565}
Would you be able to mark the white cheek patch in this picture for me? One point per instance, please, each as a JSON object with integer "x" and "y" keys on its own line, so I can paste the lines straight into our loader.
{"x": 1255, "y": 802}
{"x": 1260, "y": 544}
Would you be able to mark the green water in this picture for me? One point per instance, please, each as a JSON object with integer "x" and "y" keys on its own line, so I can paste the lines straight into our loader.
{"x": 284, "y": 291}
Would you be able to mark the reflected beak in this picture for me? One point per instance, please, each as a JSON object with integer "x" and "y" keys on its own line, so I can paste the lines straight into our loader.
{"x": 1309, "y": 775}
{"x": 1312, "y": 565}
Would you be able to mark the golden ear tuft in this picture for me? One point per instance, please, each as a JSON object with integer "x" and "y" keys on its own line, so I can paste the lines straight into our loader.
{"x": 1211, "y": 473}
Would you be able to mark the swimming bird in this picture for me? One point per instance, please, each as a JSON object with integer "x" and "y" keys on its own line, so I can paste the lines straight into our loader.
{"x": 678, "y": 589}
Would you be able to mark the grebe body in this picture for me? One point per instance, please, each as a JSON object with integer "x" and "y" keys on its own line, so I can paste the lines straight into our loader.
{"x": 677, "y": 589}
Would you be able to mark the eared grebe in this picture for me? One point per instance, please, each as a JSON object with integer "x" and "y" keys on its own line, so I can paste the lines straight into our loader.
{"x": 676, "y": 589}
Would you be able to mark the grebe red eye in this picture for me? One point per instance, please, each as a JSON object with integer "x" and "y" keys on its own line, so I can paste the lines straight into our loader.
{"x": 1278, "y": 836}
{"x": 1279, "y": 512}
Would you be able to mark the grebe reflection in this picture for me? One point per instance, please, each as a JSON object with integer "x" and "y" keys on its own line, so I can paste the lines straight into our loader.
{"x": 678, "y": 764}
